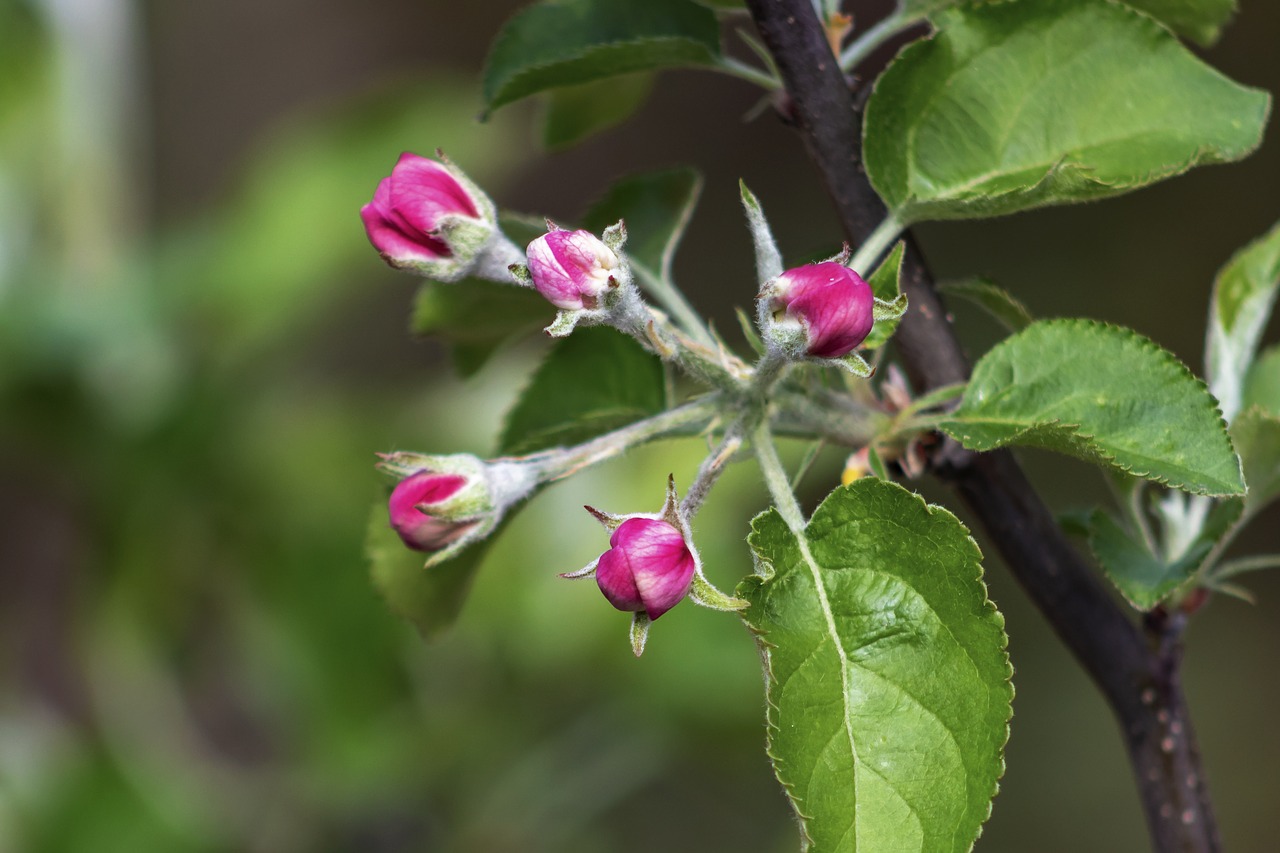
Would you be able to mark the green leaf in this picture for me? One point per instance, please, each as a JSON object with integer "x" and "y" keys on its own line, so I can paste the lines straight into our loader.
{"x": 1243, "y": 295}
{"x": 1019, "y": 105}
{"x": 656, "y": 207}
{"x": 430, "y": 599}
{"x": 1256, "y": 434}
{"x": 476, "y": 317}
{"x": 594, "y": 381}
{"x": 1201, "y": 20}
{"x": 1103, "y": 394}
{"x": 768, "y": 257}
{"x": 995, "y": 300}
{"x": 885, "y": 669}
{"x": 884, "y": 285}
{"x": 576, "y": 112}
{"x": 1141, "y": 576}
{"x": 571, "y": 42}
{"x": 1262, "y": 385}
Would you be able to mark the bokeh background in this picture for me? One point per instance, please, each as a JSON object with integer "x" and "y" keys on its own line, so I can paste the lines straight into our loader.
{"x": 199, "y": 355}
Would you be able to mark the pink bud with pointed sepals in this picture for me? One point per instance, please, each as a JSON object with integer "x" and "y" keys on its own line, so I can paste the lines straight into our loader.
{"x": 407, "y": 218}
{"x": 648, "y": 567}
{"x": 830, "y": 301}
{"x": 411, "y": 506}
{"x": 572, "y": 269}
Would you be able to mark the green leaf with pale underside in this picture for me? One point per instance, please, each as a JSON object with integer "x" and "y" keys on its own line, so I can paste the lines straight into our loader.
{"x": 888, "y": 692}
{"x": 1262, "y": 385}
{"x": 1103, "y": 394}
{"x": 594, "y": 381}
{"x": 568, "y": 43}
{"x": 1256, "y": 433}
{"x": 1019, "y": 105}
{"x": 656, "y": 207}
{"x": 1243, "y": 295}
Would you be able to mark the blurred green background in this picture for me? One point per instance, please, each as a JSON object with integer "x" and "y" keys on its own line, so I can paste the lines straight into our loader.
{"x": 199, "y": 355}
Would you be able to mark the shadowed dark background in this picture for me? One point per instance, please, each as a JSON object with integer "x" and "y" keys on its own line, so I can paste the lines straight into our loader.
{"x": 199, "y": 355}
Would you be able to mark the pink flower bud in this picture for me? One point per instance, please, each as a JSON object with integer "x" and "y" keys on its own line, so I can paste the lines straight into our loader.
{"x": 830, "y": 301}
{"x": 648, "y": 567}
{"x": 408, "y": 220}
{"x": 411, "y": 506}
{"x": 572, "y": 269}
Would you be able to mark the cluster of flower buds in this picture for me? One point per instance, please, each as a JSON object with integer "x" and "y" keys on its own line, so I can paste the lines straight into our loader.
{"x": 428, "y": 217}
{"x": 822, "y": 311}
{"x": 651, "y": 565}
{"x": 585, "y": 276}
{"x": 442, "y": 504}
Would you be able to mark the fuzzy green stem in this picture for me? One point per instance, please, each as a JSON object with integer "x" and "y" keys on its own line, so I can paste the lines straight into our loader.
{"x": 862, "y": 47}
{"x": 1247, "y": 564}
{"x": 875, "y": 245}
{"x": 743, "y": 71}
{"x": 776, "y": 479}
{"x": 673, "y": 301}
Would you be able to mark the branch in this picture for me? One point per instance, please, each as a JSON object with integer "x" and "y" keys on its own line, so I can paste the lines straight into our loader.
{"x": 1140, "y": 681}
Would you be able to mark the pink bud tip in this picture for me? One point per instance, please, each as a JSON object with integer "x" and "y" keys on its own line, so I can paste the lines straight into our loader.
{"x": 831, "y": 301}
{"x": 406, "y": 210}
{"x": 571, "y": 268}
{"x": 409, "y": 507}
{"x": 648, "y": 567}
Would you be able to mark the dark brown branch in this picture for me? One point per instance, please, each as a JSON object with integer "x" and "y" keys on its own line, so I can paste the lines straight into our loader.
{"x": 1137, "y": 673}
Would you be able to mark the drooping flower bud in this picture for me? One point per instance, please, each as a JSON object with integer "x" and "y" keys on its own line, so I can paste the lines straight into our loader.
{"x": 413, "y": 502}
{"x": 572, "y": 269}
{"x": 648, "y": 567}
{"x": 444, "y": 503}
{"x": 429, "y": 218}
{"x": 823, "y": 310}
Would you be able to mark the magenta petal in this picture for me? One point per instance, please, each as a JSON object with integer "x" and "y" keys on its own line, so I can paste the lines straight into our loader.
{"x": 649, "y": 567}
{"x": 392, "y": 237}
{"x": 423, "y": 192}
{"x": 833, "y": 302}
{"x": 614, "y": 577}
{"x": 570, "y": 268}
{"x": 417, "y": 529}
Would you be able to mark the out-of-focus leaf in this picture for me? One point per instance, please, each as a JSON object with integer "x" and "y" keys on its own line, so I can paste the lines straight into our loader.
{"x": 1201, "y": 20}
{"x": 1103, "y": 394}
{"x": 1262, "y": 385}
{"x": 593, "y": 381}
{"x": 567, "y": 43}
{"x": 1256, "y": 433}
{"x": 994, "y": 299}
{"x": 1092, "y": 99}
{"x": 656, "y": 207}
{"x": 476, "y": 317}
{"x": 575, "y": 112}
{"x": 1243, "y": 295}
{"x": 888, "y": 692}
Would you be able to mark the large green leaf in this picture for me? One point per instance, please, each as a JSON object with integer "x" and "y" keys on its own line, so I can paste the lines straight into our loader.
{"x": 1018, "y": 105}
{"x": 886, "y": 675}
{"x": 885, "y": 284}
{"x": 576, "y": 112}
{"x": 475, "y": 317}
{"x": 1243, "y": 296}
{"x": 570, "y": 42}
{"x": 1201, "y": 20}
{"x": 656, "y": 207}
{"x": 594, "y": 381}
{"x": 430, "y": 599}
{"x": 1104, "y": 394}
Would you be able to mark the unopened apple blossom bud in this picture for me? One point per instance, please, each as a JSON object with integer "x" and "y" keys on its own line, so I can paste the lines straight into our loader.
{"x": 818, "y": 310}
{"x": 429, "y": 218}
{"x": 572, "y": 269}
{"x": 648, "y": 567}
{"x": 415, "y": 505}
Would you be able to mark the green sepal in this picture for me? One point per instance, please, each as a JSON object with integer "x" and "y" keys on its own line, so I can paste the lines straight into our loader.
{"x": 640, "y": 623}
{"x": 853, "y": 363}
{"x": 565, "y": 323}
{"x": 768, "y": 258}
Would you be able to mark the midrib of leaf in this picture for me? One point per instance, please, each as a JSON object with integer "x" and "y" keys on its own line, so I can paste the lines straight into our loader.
{"x": 834, "y": 634}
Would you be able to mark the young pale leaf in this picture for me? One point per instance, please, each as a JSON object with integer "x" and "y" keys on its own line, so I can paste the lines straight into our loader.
{"x": 429, "y": 599}
{"x": 594, "y": 381}
{"x": 566, "y": 43}
{"x": 656, "y": 207}
{"x": 1243, "y": 295}
{"x": 884, "y": 285}
{"x": 1256, "y": 434}
{"x": 1091, "y": 99}
{"x": 768, "y": 258}
{"x": 1103, "y": 394}
{"x": 1142, "y": 577}
{"x": 1262, "y": 386}
{"x": 885, "y": 669}
{"x": 575, "y": 112}
{"x": 995, "y": 300}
